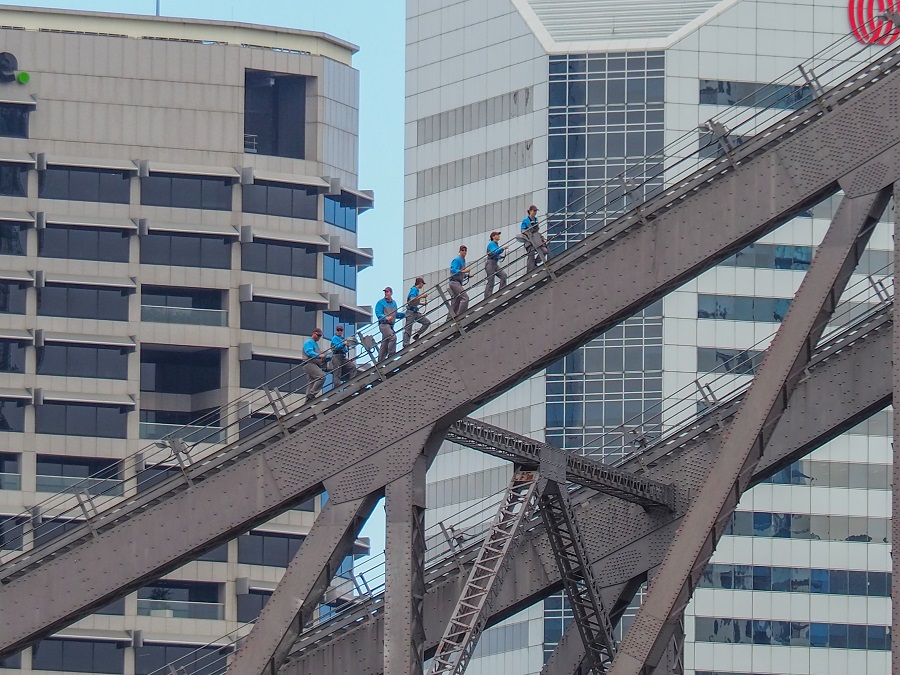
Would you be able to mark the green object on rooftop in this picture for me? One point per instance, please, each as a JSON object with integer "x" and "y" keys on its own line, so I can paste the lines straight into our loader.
{"x": 22, "y": 77}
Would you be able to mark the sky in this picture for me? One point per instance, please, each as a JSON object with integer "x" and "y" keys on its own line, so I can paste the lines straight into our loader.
{"x": 378, "y": 28}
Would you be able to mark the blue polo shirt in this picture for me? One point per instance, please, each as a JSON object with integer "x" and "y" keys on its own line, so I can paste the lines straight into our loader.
{"x": 311, "y": 348}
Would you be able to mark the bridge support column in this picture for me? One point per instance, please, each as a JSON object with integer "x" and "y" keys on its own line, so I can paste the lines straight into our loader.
{"x": 404, "y": 632}
{"x": 745, "y": 439}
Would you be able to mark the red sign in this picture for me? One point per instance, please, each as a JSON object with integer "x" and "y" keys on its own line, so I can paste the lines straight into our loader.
{"x": 866, "y": 22}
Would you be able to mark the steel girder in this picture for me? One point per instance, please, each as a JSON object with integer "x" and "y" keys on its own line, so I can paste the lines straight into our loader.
{"x": 848, "y": 380}
{"x": 744, "y": 440}
{"x": 359, "y": 440}
{"x": 585, "y": 471}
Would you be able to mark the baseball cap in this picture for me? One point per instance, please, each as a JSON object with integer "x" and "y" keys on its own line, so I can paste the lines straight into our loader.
{"x": 532, "y": 208}
{"x": 388, "y": 288}
{"x": 319, "y": 331}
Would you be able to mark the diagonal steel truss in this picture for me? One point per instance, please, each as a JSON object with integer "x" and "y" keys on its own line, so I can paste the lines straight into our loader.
{"x": 591, "y": 617}
{"x": 470, "y": 615}
{"x": 745, "y": 439}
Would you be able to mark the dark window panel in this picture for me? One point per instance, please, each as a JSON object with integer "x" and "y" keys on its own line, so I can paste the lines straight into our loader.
{"x": 85, "y": 184}
{"x": 12, "y": 238}
{"x": 181, "y": 372}
{"x": 81, "y": 419}
{"x": 278, "y": 317}
{"x": 187, "y": 250}
{"x": 275, "y": 113}
{"x": 12, "y": 356}
{"x": 186, "y": 192}
{"x": 13, "y": 179}
{"x": 12, "y": 415}
{"x": 265, "y": 548}
{"x": 84, "y": 656}
{"x": 14, "y": 120}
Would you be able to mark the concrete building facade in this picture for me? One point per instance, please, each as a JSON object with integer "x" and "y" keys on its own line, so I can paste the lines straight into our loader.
{"x": 178, "y": 210}
{"x": 536, "y": 101}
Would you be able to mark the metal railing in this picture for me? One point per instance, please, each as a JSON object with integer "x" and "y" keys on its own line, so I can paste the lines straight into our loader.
{"x": 620, "y": 196}
{"x": 180, "y": 609}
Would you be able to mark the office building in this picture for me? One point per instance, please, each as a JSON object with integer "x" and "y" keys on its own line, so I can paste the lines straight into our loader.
{"x": 516, "y": 102}
{"x": 178, "y": 210}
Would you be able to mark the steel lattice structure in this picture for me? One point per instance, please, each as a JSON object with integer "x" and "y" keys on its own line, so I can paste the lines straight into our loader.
{"x": 384, "y": 428}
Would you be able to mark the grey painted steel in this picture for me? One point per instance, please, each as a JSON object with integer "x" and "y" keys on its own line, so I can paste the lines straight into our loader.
{"x": 470, "y": 615}
{"x": 849, "y": 380}
{"x": 404, "y": 634}
{"x": 585, "y": 600}
{"x": 368, "y": 427}
{"x": 745, "y": 438}
{"x": 895, "y": 493}
{"x": 585, "y": 471}
{"x": 301, "y": 588}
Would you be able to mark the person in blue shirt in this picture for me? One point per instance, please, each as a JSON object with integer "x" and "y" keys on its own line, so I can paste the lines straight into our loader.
{"x": 387, "y": 313}
{"x": 492, "y": 266}
{"x": 341, "y": 360}
{"x": 415, "y": 300}
{"x": 314, "y": 365}
{"x": 458, "y": 275}
{"x": 535, "y": 245}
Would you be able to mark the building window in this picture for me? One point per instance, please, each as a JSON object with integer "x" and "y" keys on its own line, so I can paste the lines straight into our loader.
{"x": 11, "y": 532}
{"x": 710, "y": 148}
{"x": 75, "y": 360}
{"x": 281, "y": 374}
{"x": 12, "y": 356}
{"x": 278, "y": 316}
{"x": 14, "y": 120}
{"x": 193, "y": 306}
{"x": 266, "y": 548}
{"x": 250, "y": 605}
{"x": 247, "y": 426}
{"x": 186, "y": 250}
{"x": 737, "y": 361}
{"x": 796, "y": 580}
{"x": 192, "y": 426}
{"x": 281, "y": 199}
{"x": 84, "y": 243}
{"x": 13, "y": 179}
{"x": 185, "y": 659}
{"x": 84, "y": 302}
{"x": 343, "y": 216}
{"x": 10, "y": 472}
{"x": 275, "y": 114}
{"x": 52, "y": 528}
{"x": 792, "y": 633}
{"x": 864, "y": 476}
{"x": 276, "y": 257}
{"x": 181, "y": 600}
{"x": 180, "y": 371}
{"x": 12, "y": 414}
{"x": 58, "y": 473}
{"x": 186, "y": 192}
{"x": 754, "y": 94}
{"x": 12, "y": 237}
{"x": 741, "y": 308}
{"x": 81, "y": 419}
{"x": 78, "y": 656}
{"x": 805, "y": 526}
{"x": 12, "y": 297}
{"x": 772, "y": 256}
{"x": 14, "y": 661}
{"x": 85, "y": 184}
{"x": 340, "y": 273}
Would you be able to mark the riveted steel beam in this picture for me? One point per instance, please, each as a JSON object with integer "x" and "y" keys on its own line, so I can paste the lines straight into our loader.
{"x": 745, "y": 438}
{"x": 584, "y": 471}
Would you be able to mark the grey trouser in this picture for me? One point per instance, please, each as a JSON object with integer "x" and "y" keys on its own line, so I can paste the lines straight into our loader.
{"x": 343, "y": 367}
{"x": 492, "y": 267}
{"x": 388, "y": 341}
{"x": 413, "y": 318}
{"x": 532, "y": 257}
{"x": 316, "y": 377}
{"x": 460, "y": 301}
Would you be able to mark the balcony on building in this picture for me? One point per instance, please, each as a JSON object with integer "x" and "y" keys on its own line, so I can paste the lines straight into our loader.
{"x": 186, "y": 306}
{"x": 181, "y": 600}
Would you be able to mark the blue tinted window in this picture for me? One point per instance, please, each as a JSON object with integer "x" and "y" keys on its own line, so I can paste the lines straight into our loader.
{"x": 281, "y": 199}
{"x": 13, "y": 179}
{"x": 341, "y": 273}
{"x": 85, "y": 184}
{"x": 343, "y": 215}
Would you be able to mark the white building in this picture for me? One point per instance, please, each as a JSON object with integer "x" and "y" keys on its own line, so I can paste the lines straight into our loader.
{"x": 513, "y": 102}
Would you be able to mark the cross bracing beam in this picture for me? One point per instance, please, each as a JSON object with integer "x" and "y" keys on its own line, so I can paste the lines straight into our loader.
{"x": 359, "y": 438}
{"x": 468, "y": 618}
{"x": 849, "y": 379}
{"x": 584, "y": 471}
{"x": 744, "y": 439}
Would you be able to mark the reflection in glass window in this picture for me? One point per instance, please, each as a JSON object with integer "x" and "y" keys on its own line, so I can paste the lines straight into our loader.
{"x": 78, "y": 656}
{"x": 12, "y": 356}
{"x": 250, "y": 605}
{"x": 84, "y": 302}
{"x": 85, "y": 184}
{"x": 281, "y": 199}
{"x": 339, "y": 272}
{"x": 12, "y": 414}
{"x": 804, "y": 526}
{"x": 11, "y": 533}
{"x": 343, "y": 215}
{"x": 186, "y": 250}
{"x": 81, "y": 419}
{"x": 12, "y": 297}
{"x": 12, "y": 237}
{"x": 84, "y": 243}
{"x": 14, "y": 120}
{"x": 278, "y": 316}
{"x": 75, "y": 360}
{"x": 737, "y": 361}
{"x": 792, "y": 633}
{"x": 186, "y": 659}
{"x": 796, "y": 580}
{"x": 754, "y": 94}
{"x": 741, "y": 308}
{"x": 279, "y": 257}
{"x": 13, "y": 179}
{"x": 268, "y": 548}
{"x": 186, "y": 191}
